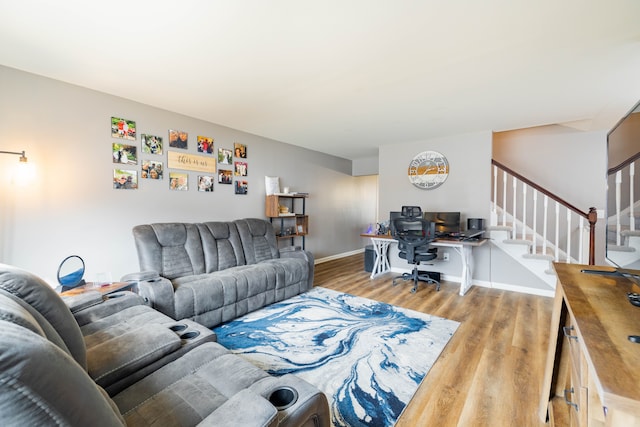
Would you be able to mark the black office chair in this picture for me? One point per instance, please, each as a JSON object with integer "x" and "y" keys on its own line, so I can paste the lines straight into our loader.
{"x": 414, "y": 234}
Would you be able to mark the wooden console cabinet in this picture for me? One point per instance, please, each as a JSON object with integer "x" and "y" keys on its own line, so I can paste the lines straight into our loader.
{"x": 592, "y": 376}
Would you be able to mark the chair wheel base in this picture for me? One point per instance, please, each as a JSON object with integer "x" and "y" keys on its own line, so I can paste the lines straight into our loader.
{"x": 416, "y": 277}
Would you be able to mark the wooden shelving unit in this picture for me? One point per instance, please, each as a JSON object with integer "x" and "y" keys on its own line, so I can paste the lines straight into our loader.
{"x": 291, "y": 224}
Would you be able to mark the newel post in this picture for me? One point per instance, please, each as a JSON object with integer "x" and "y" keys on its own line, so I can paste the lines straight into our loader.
{"x": 592, "y": 217}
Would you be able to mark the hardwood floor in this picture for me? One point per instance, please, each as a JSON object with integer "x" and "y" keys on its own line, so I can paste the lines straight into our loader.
{"x": 490, "y": 373}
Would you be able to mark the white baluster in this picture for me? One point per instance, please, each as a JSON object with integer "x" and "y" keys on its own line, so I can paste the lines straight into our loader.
{"x": 557, "y": 241}
{"x": 524, "y": 211}
{"x": 535, "y": 221}
{"x": 618, "y": 197}
{"x": 581, "y": 241}
{"x": 568, "y": 236}
{"x": 495, "y": 190}
{"x": 515, "y": 209}
{"x": 504, "y": 198}
{"x": 544, "y": 225}
{"x": 632, "y": 217}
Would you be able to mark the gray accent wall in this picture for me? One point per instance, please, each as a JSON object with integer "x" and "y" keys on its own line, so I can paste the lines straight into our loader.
{"x": 72, "y": 208}
{"x": 466, "y": 190}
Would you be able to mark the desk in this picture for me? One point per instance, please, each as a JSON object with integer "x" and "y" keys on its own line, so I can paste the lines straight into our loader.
{"x": 381, "y": 265}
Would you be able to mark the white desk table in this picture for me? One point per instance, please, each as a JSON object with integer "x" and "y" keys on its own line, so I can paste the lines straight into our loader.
{"x": 381, "y": 265}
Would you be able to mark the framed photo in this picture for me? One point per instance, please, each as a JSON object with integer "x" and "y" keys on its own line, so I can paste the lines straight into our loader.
{"x": 239, "y": 150}
{"x": 151, "y": 169}
{"x": 125, "y": 154}
{"x": 224, "y": 156}
{"x": 225, "y": 176}
{"x": 178, "y": 139}
{"x": 178, "y": 181}
{"x": 205, "y": 182}
{"x": 123, "y": 128}
{"x": 205, "y": 145}
{"x": 240, "y": 168}
{"x": 125, "y": 179}
{"x": 151, "y": 144}
{"x": 242, "y": 187}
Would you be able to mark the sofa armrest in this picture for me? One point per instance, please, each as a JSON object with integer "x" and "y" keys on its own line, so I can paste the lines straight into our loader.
{"x": 98, "y": 306}
{"x": 244, "y": 408}
{"x": 124, "y": 355}
{"x": 82, "y": 301}
{"x": 307, "y": 256}
{"x": 156, "y": 290}
{"x": 308, "y": 407}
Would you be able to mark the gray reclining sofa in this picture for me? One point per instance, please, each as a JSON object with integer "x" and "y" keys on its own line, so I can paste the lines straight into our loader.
{"x": 45, "y": 370}
{"x": 213, "y": 272}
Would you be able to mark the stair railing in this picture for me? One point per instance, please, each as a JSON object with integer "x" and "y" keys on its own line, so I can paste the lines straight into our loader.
{"x": 623, "y": 179}
{"x": 513, "y": 211}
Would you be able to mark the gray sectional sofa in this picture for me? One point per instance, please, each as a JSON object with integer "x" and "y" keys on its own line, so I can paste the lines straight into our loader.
{"x": 213, "y": 272}
{"x": 45, "y": 367}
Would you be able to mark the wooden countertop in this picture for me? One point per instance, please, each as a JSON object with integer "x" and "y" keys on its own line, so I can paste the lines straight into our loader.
{"x": 604, "y": 319}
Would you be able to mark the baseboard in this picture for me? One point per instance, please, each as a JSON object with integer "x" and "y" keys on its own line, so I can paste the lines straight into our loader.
{"x": 448, "y": 278}
{"x": 523, "y": 289}
{"x": 338, "y": 256}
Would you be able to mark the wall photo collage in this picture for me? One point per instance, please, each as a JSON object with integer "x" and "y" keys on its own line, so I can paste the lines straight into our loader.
{"x": 221, "y": 165}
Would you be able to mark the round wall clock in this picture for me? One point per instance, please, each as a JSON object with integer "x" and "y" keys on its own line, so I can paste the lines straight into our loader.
{"x": 428, "y": 170}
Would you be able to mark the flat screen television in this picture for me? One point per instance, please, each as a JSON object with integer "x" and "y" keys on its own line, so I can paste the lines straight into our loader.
{"x": 447, "y": 223}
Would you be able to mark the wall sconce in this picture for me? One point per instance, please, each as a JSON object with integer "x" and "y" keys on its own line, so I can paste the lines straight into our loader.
{"x": 23, "y": 158}
{"x": 24, "y": 173}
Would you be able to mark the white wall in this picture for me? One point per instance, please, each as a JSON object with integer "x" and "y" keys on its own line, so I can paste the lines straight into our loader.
{"x": 71, "y": 207}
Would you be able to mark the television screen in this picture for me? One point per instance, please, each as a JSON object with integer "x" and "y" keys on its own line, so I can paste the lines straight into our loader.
{"x": 446, "y": 223}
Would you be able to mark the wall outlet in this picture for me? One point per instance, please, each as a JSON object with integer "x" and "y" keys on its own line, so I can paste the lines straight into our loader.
{"x": 445, "y": 256}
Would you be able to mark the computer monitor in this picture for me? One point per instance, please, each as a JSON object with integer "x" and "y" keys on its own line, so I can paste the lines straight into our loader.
{"x": 447, "y": 223}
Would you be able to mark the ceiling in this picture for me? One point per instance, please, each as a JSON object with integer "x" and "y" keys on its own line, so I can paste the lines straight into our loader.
{"x": 343, "y": 77}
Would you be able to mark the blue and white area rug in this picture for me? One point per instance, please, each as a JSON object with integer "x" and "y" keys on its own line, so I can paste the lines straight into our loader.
{"x": 368, "y": 357}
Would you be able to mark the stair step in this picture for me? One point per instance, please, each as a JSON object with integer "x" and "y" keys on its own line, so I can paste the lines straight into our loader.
{"x": 499, "y": 228}
{"x": 539, "y": 256}
{"x": 518, "y": 242}
{"x": 550, "y": 252}
{"x": 620, "y": 248}
{"x": 630, "y": 233}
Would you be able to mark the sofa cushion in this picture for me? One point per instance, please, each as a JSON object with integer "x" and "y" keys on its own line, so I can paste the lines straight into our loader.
{"x": 38, "y": 294}
{"x": 221, "y": 244}
{"x": 258, "y": 239}
{"x": 171, "y": 249}
{"x": 192, "y": 387}
{"x": 40, "y": 384}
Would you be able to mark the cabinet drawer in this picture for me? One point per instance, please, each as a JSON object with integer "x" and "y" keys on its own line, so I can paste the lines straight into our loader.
{"x": 575, "y": 352}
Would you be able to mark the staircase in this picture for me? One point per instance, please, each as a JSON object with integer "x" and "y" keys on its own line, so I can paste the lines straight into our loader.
{"x": 537, "y": 228}
{"x": 623, "y": 233}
